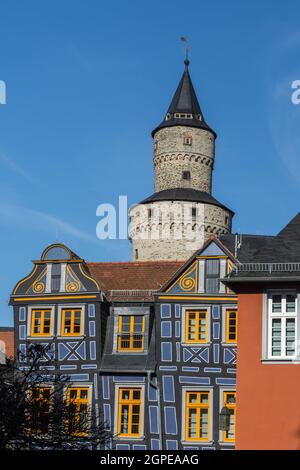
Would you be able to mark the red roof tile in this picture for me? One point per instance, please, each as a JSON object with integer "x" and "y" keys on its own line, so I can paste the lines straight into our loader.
{"x": 133, "y": 276}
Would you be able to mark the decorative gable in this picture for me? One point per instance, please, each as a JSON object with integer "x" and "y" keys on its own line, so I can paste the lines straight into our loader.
{"x": 187, "y": 282}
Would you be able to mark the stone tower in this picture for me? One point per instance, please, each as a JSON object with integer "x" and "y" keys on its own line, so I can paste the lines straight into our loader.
{"x": 181, "y": 215}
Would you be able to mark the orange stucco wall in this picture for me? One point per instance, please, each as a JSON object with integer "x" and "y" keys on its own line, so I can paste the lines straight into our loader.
{"x": 268, "y": 396}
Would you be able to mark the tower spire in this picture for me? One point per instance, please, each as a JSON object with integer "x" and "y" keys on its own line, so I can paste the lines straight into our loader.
{"x": 184, "y": 109}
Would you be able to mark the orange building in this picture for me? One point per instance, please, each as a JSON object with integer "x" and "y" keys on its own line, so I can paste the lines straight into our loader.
{"x": 268, "y": 364}
{"x": 6, "y": 342}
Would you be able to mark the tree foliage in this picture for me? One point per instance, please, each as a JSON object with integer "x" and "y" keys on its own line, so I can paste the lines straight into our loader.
{"x": 34, "y": 410}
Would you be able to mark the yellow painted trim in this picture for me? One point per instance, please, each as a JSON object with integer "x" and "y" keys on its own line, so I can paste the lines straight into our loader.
{"x": 89, "y": 277}
{"x": 187, "y": 297}
{"x": 79, "y": 401}
{"x": 42, "y": 324}
{"x": 212, "y": 257}
{"x": 63, "y": 320}
{"x": 199, "y": 407}
{"x": 58, "y": 261}
{"x": 185, "y": 273}
{"x": 231, "y": 406}
{"x": 131, "y": 333}
{"x": 61, "y": 297}
{"x": 130, "y": 402}
{"x": 196, "y": 339}
{"x": 228, "y": 312}
{"x": 25, "y": 279}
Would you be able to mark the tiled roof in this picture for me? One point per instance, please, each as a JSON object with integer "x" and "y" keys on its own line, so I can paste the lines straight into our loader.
{"x": 134, "y": 276}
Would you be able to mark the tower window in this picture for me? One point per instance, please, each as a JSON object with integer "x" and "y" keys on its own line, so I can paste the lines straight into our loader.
{"x": 226, "y": 219}
{"x": 186, "y": 175}
{"x": 149, "y": 213}
{"x": 194, "y": 213}
{"x": 136, "y": 253}
{"x": 187, "y": 141}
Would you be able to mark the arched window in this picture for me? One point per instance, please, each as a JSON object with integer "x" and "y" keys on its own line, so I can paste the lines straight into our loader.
{"x": 56, "y": 252}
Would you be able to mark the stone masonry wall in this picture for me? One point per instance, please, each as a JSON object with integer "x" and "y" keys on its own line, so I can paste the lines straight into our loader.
{"x": 171, "y": 232}
{"x": 172, "y": 156}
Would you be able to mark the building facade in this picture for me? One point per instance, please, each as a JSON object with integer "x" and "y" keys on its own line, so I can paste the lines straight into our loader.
{"x": 268, "y": 379}
{"x": 149, "y": 345}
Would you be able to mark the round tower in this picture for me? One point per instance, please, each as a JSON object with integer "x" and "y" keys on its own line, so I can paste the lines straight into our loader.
{"x": 179, "y": 217}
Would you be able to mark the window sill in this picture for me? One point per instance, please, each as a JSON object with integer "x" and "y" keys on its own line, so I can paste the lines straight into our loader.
{"x": 197, "y": 443}
{"x": 197, "y": 345}
{"x": 39, "y": 337}
{"x": 70, "y": 337}
{"x": 223, "y": 443}
{"x": 129, "y": 438}
{"x": 139, "y": 353}
{"x": 281, "y": 361}
{"x": 224, "y": 343}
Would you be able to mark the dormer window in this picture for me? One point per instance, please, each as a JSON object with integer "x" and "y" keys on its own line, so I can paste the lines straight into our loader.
{"x": 131, "y": 330}
{"x": 183, "y": 115}
{"x": 168, "y": 116}
{"x": 187, "y": 141}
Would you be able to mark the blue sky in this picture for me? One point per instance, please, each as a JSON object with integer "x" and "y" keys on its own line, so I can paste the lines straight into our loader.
{"x": 88, "y": 81}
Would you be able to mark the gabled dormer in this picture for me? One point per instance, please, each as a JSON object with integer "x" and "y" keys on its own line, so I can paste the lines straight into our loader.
{"x": 203, "y": 272}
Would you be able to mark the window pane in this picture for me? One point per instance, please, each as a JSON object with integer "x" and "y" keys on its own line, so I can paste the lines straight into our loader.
{"x": 125, "y": 324}
{"x": 276, "y": 337}
{"x": 203, "y": 423}
{"x": 290, "y": 336}
{"x": 136, "y": 394}
{"x": 192, "y": 423}
{"x": 124, "y": 419}
{"x": 125, "y": 394}
{"x": 290, "y": 303}
{"x": 276, "y": 303}
{"x": 212, "y": 267}
{"x": 138, "y": 324}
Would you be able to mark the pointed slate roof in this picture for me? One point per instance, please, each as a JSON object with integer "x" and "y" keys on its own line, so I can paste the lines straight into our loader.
{"x": 184, "y": 109}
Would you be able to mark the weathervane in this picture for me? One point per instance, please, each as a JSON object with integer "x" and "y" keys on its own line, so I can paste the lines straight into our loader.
{"x": 186, "y": 40}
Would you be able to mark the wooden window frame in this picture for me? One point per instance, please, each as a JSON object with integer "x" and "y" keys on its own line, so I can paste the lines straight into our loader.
{"x": 42, "y": 388}
{"x": 131, "y": 334}
{"x": 78, "y": 402}
{"x": 42, "y": 325}
{"x": 198, "y": 406}
{"x": 231, "y": 406}
{"x": 197, "y": 329}
{"x": 63, "y": 318}
{"x": 227, "y": 325}
{"x": 130, "y": 403}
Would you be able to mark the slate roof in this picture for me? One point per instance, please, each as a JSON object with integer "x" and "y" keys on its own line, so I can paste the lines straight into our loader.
{"x": 140, "y": 276}
{"x": 184, "y": 101}
{"x": 279, "y": 253}
{"x": 184, "y": 194}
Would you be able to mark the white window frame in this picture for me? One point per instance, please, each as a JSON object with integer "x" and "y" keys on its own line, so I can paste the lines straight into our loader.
{"x": 283, "y": 316}
{"x": 119, "y": 385}
{"x": 183, "y": 324}
{"x": 194, "y": 388}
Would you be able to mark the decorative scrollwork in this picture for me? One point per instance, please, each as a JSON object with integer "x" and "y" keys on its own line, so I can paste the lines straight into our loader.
{"x": 38, "y": 287}
{"x": 187, "y": 283}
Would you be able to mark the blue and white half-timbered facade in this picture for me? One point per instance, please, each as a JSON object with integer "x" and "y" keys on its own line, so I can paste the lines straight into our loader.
{"x": 159, "y": 366}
